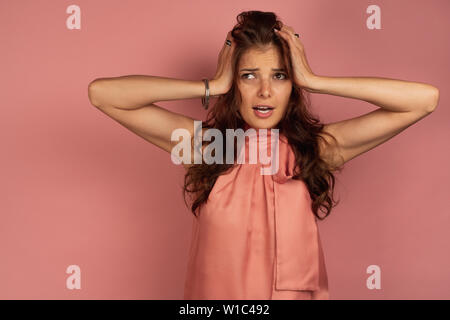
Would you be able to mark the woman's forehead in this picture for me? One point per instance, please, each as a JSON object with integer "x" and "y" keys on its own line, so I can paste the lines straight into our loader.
{"x": 256, "y": 58}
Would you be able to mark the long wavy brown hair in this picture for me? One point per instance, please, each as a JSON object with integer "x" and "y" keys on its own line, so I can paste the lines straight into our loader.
{"x": 301, "y": 128}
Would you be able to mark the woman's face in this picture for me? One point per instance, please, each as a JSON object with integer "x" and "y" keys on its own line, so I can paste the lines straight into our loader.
{"x": 265, "y": 84}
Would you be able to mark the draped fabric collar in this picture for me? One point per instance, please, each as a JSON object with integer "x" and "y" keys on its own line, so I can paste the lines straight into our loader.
{"x": 268, "y": 143}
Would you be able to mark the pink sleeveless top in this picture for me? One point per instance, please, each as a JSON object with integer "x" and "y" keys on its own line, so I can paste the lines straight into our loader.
{"x": 256, "y": 237}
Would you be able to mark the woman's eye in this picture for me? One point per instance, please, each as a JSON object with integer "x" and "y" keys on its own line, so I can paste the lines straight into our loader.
{"x": 278, "y": 74}
{"x": 282, "y": 75}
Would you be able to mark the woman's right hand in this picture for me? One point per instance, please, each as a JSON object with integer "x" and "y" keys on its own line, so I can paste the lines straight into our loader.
{"x": 223, "y": 78}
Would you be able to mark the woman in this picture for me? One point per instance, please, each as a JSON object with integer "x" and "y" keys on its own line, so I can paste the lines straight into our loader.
{"x": 255, "y": 236}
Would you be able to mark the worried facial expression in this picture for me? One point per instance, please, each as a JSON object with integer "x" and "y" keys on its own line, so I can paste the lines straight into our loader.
{"x": 263, "y": 81}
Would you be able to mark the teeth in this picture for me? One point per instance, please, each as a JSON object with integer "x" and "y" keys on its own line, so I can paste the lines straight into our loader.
{"x": 263, "y": 111}
{"x": 262, "y": 108}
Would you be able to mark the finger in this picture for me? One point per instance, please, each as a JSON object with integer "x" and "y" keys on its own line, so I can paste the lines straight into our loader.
{"x": 283, "y": 35}
{"x": 286, "y": 27}
{"x": 224, "y": 46}
{"x": 288, "y": 34}
{"x": 225, "y": 51}
{"x": 290, "y": 31}
{"x": 289, "y": 45}
{"x": 291, "y": 39}
{"x": 228, "y": 47}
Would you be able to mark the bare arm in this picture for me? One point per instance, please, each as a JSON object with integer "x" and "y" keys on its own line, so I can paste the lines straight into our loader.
{"x": 402, "y": 103}
{"x": 136, "y": 91}
{"x": 130, "y": 101}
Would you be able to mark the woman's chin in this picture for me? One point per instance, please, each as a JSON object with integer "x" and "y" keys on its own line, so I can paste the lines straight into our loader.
{"x": 261, "y": 124}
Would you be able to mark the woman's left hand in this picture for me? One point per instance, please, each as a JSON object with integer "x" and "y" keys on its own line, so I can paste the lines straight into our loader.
{"x": 303, "y": 75}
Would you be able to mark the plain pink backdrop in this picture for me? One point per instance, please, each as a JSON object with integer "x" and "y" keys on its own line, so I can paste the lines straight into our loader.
{"x": 77, "y": 188}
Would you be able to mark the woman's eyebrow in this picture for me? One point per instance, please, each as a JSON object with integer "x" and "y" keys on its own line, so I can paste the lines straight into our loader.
{"x": 256, "y": 69}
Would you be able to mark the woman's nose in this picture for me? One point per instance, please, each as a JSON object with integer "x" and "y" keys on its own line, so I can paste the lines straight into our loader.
{"x": 265, "y": 89}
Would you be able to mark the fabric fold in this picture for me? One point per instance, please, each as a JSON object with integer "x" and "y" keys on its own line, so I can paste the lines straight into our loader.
{"x": 244, "y": 208}
{"x": 296, "y": 234}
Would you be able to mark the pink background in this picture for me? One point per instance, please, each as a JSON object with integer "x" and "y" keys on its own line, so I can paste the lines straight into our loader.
{"x": 77, "y": 188}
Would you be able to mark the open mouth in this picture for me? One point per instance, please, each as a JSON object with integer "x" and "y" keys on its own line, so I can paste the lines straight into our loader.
{"x": 263, "y": 108}
{"x": 263, "y": 111}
